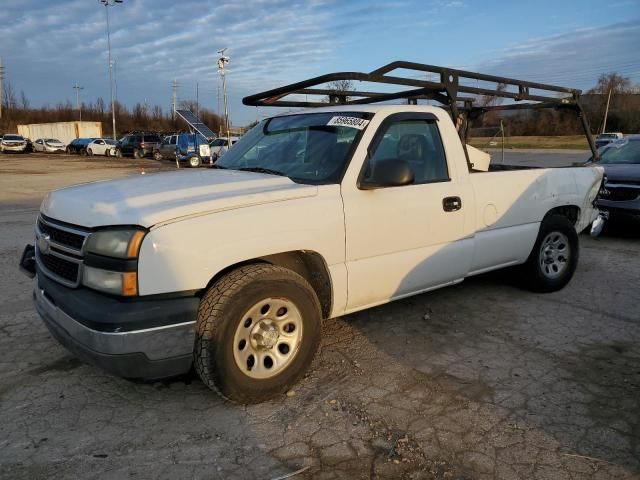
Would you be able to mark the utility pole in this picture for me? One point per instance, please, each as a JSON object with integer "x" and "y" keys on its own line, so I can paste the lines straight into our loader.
{"x": 174, "y": 100}
{"x": 606, "y": 112}
{"x": 1, "y": 87}
{"x": 218, "y": 108}
{"x": 107, "y": 4}
{"x": 222, "y": 61}
{"x": 77, "y": 88}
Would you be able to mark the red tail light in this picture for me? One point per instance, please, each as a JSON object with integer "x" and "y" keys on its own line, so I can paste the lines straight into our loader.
{"x": 142, "y": 145}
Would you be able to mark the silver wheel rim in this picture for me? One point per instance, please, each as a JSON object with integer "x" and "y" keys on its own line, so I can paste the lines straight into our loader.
{"x": 268, "y": 338}
{"x": 195, "y": 161}
{"x": 554, "y": 255}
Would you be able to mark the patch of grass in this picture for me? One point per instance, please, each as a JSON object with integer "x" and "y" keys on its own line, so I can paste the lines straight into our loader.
{"x": 578, "y": 142}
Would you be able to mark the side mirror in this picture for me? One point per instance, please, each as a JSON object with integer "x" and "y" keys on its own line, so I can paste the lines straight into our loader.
{"x": 389, "y": 172}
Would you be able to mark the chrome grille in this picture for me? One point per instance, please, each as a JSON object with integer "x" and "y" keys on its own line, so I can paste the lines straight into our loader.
{"x": 63, "y": 237}
{"x": 59, "y": 251}
{"x": 621, "y": 194}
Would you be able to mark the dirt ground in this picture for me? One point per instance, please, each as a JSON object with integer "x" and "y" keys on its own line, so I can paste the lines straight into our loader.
{"x": 477, "y": 381}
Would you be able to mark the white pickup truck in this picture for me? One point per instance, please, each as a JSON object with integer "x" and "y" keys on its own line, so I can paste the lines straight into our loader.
{"x": 311, "y": 215}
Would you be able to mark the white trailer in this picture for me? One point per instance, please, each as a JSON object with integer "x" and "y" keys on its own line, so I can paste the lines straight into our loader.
{"x": 63, "y": 131}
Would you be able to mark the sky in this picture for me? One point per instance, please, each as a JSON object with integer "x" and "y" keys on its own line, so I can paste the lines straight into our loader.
{"x": 48, "y": 46}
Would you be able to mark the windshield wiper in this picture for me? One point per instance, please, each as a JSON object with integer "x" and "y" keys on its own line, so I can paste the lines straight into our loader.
{"x": 262, "y": 170}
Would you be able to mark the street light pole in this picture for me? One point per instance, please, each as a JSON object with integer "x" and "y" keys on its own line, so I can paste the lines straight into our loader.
{"x": 222, "y": 61}
{"x": 107, "y": 4}
{"x": 77, "y": 88}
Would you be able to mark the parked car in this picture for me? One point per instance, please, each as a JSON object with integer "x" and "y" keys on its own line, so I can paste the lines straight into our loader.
{"x": 220, "y": 145}
{"x": 314, "y": 214}
{"x": 79, "y": 146}
{"x": 182, "y": 146}
{"x": 13, "y": 143}
{"x": 102, "y": 146}
{"x": 48, "y": 145}
{"x": 137, "y": 145}
{"x": 620, "y": 193}
{"x": 606, "y": 138}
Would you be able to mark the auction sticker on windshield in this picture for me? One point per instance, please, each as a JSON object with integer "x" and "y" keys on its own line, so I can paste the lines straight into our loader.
{"x": 351, "y": 122}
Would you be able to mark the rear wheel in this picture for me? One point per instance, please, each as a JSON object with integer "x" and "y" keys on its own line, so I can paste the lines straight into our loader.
{"x": 157, "y": 155}
{"x": 90, "y": 152}
{"x": 554, "y": 257}
{"x": 258, "y": 330}
{"x": 195, "y": 161}
{"x": 118, "y": 153}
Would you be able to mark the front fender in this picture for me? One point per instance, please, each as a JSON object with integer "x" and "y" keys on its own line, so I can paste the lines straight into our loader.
{"x": 185, "y": 255}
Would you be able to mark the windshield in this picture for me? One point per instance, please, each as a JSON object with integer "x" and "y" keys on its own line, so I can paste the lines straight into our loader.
{"x": 607, "y": 135}
{"x": 218, "y": 142}
{"x": 110, "y": 142}
{"x": 623, "y": 151}
{"x": 52, "y": 140}
{"x": 308, "y": 148}
{"x": 12, "y": 137}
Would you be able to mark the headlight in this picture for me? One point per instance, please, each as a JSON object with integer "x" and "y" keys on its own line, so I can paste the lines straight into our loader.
{"x": 116, "y": 283}
{"x": 116, "y": 243}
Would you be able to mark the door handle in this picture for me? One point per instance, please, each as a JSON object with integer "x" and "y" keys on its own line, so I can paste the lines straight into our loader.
{"x": 451, "y": 204}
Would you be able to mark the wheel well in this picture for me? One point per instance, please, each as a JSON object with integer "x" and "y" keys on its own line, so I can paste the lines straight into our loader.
{"x": 571, "y": 212}
{"x": 309, "y": 265}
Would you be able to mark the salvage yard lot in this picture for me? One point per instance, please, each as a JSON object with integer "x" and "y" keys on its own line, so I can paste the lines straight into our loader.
{"x": 481, "y": 380}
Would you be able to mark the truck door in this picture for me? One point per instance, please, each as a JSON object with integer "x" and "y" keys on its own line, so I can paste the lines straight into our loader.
{"x": 406, "y": 239}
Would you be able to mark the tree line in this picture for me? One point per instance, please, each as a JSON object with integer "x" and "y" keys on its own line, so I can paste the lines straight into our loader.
{"x": 17, "y": 110}
{"x": 623, "y": 113}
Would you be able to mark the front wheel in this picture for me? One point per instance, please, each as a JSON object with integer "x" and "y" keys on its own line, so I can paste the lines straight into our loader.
{"x": 258, "y": 330}
{"x": 195, "y": 161}
{"x": 118, "y": 153}
{"x": 554, "y": 257}
{"x": 138, "y": 154}
{"x": 157, "y": 156}
{"x": 90, "y": 152}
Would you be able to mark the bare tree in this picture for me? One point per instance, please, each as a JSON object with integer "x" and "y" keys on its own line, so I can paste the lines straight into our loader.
{"x": 24, "y": 101}
{"x": 338, "y": 90}
{"x": 611, "y": 82}
{"x": 9, "y": 101}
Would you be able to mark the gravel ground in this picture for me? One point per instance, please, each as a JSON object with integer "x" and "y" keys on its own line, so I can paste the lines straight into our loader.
{"x": 481, "y": 380}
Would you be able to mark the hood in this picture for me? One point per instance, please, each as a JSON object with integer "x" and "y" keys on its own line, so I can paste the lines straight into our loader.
{"x": 166, "y": 196}
{"x": 623, "y": 173}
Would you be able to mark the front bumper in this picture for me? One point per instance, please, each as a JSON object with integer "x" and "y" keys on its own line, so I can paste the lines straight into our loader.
{"x": 629, "y": 209}
{"x": 113, "y": 343}
{"x": 14, "y": 148}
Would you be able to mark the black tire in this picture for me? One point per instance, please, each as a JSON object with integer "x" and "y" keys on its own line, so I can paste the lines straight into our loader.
{"x": 107, "y": 153}
{"x": 118, "y": 153}
{"x": 90, "y": 152}
{"x": 138, "y": 154}
{"x": 83, "y": 152}
{"x": 536, "y": 273}
{"x": 195, "y": 161}
{"x": 157, "y": 156}
{"x": 222, "y": 309}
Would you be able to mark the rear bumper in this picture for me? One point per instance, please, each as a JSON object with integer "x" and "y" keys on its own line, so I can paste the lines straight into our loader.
{"x": 145, "y": 353}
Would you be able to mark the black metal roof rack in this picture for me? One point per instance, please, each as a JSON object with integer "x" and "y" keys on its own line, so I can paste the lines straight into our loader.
{"x": 446, "y": 90}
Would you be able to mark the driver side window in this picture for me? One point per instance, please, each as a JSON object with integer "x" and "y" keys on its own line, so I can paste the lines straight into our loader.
{"x": 418, "y": 143}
